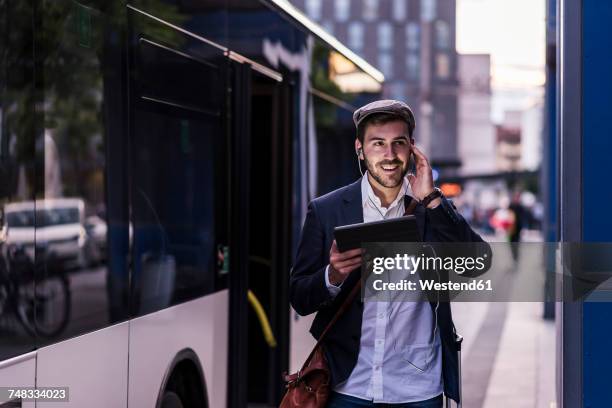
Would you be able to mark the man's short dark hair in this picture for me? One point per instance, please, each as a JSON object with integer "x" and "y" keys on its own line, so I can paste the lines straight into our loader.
{"x": 378, "y": 119}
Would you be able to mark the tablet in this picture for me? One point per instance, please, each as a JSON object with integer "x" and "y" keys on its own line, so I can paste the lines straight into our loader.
{"x": 402, "y": 229}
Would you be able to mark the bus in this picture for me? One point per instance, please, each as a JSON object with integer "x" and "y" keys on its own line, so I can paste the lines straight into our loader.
{"x": 190, "y": 135}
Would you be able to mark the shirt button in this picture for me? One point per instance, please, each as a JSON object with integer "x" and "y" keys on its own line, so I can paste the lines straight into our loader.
{"x": 381, "y": 315}
{"x": 376, "y": 368}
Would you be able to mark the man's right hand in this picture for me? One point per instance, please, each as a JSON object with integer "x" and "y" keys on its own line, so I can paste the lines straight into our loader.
{"x": 341, "y": 264}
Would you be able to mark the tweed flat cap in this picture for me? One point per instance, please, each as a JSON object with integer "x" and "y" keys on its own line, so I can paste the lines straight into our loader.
{"x": 386, "y": 106}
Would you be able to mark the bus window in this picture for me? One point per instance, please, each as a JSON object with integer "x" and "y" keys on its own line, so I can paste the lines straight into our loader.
{"x": 17, "y": 160}
{"x": 81, "y": 230}
{"x": 179, "y": 179}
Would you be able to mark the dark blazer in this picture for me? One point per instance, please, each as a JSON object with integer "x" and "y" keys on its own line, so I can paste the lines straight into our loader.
{"x": 309, "y": 294}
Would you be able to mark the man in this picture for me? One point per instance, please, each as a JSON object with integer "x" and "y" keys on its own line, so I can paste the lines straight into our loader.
{"x": 388, "y": 354}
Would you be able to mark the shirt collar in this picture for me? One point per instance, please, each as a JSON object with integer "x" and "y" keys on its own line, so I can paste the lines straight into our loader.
{"x": 367, "y": 191}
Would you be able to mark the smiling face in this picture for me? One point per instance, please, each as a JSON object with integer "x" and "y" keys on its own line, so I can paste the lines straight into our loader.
{"x": 386, "y": 152}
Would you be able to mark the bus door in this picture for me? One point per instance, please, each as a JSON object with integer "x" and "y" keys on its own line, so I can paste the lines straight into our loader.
{"x": 260, "y": 263}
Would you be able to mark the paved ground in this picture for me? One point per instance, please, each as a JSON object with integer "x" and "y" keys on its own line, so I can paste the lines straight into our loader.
{"x": 508, "y": 356}
{"x": 509, "y": 352}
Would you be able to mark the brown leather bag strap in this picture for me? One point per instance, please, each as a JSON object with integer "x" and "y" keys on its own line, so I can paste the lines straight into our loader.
{"x": 345, "y": 305}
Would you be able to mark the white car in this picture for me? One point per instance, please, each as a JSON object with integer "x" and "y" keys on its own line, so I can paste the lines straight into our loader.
{"x": 54, "y": 224}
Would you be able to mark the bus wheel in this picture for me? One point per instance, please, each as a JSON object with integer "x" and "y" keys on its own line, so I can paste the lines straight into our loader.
{"x": 183, "y": 384}
{"x": 171, "y": 400}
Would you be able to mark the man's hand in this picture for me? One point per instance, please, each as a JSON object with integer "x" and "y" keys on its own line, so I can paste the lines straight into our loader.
{"x": 341, "y": 264}
{"x": 422, "y": 184}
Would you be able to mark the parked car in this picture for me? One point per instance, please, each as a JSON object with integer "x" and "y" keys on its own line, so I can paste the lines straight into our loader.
{"x": 96, "y": 239}
{"x": 55, "y": 225}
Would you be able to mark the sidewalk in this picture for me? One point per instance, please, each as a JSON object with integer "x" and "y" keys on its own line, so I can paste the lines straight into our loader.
{"x": 508, "y": 352}
{"x": 511, "y": 362}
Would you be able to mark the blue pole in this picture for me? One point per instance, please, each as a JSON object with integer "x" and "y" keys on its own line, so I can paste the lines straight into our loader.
{"x": 596, "y": 168}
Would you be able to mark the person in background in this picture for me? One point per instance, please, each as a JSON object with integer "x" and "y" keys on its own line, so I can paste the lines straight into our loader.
{"x": 519, "y": 216}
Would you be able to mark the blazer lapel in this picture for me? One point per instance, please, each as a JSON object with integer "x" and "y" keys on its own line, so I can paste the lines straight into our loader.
{"x": 352, "y": 211}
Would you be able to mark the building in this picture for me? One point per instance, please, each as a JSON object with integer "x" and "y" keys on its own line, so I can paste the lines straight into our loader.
{"x": 413, "y": 43}
{"x": 508, "y": 142}
{"x": 531, "y": 135}
{"x": 476, "y": 138}
{"x": 519, "y": 139}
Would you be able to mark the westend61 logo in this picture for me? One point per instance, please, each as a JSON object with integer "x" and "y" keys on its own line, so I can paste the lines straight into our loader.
{"x": 413, "y": 263}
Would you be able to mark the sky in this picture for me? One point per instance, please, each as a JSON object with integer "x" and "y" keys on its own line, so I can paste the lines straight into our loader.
{"x": 513, "y": 33}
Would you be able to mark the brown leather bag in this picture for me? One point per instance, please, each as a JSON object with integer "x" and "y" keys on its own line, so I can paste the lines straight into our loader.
{"x": 309, "y": 387}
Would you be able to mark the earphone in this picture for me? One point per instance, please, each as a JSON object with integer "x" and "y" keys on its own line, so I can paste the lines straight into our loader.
{"x": 358, "y": 152}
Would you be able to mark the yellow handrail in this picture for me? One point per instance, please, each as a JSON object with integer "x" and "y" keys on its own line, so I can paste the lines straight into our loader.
{"x": 263, "y": 319}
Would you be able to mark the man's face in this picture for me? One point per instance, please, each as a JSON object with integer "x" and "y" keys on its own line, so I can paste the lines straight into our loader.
{"x": 386, "y": 152}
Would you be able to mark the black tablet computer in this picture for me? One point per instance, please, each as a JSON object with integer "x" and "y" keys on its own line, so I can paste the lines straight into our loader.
{"x": 402, "y": 229}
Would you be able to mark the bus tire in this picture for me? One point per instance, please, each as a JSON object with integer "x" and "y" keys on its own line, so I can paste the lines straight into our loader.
{"x": 171, "y": 400}
{"x": 183, "y": 382}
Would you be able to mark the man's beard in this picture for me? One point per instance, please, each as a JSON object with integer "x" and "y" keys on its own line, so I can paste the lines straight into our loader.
{"x": 388, "y": 181}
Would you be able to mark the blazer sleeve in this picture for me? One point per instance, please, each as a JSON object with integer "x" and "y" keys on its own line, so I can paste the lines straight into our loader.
{"x": 307, "y": 289}
{"x": 447, "y": 225}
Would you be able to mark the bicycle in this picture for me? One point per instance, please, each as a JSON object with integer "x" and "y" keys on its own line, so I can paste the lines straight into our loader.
{"x": 35, "y": 292}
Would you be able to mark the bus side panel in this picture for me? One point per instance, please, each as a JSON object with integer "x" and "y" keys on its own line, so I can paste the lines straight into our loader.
{"x": 93, "y": 367}
{"x": 19, "y": 372}
{"x": 200, "y": 325}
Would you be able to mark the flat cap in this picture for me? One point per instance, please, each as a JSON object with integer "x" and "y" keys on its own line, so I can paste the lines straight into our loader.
{"x": 385, "y": 106}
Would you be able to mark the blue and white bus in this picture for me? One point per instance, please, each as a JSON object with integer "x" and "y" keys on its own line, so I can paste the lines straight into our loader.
{"x": 189, "y": 136}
